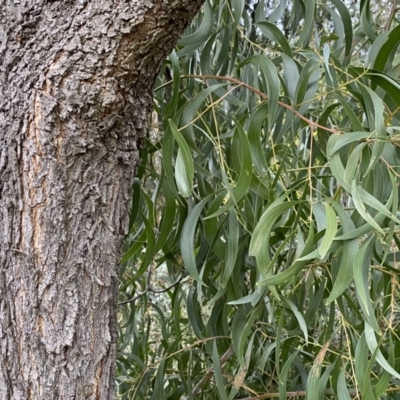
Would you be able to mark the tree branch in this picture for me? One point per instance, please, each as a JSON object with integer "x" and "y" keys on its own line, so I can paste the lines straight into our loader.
{"x": 206, "y": 378}
{"x": 149, "y": 288}
{"x": 265, "y": 97}
{"x": 300, "y": 393}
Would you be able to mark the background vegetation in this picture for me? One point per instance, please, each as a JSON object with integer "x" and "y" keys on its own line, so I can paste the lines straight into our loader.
{"x": 263, "y": 254}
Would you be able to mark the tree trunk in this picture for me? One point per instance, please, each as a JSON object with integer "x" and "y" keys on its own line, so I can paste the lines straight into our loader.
{"x": 76, "y": 81}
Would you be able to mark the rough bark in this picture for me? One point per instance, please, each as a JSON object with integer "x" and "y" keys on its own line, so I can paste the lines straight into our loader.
{"x": 76, "y": 80}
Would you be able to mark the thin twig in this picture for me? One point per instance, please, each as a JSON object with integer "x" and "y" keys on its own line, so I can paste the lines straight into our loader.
{"x": 393, "y": 12}
{"x": 206, "y": 378}
{"x": 265, "y": 97}
{"x": 133, "y": 299}
{"x": 300, "y": 393}
{"x": 149, "y": 288}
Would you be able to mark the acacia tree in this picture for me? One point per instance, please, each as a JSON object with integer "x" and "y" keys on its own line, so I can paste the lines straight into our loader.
{"x": 76, "y": 82}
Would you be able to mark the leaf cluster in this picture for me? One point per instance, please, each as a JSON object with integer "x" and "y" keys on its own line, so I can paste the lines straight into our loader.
{"x": 263, "y": 253}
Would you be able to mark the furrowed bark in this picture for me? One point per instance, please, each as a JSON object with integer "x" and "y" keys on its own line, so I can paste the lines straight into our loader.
{"x": 76, "y": 81}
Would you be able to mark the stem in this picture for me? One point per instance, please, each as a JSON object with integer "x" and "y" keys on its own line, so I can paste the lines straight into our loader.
{"x": 300, "y": 393}
{"x": 223, "y": 359}
{"x": 265, "y": 97}
{"x": 392, "y": 15}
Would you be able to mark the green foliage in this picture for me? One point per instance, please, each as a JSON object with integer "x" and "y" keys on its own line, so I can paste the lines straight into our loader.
{"x": 263, "y": 256}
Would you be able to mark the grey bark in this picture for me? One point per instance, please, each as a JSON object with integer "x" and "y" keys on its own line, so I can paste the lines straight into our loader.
{"x": 76, "y": 80}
